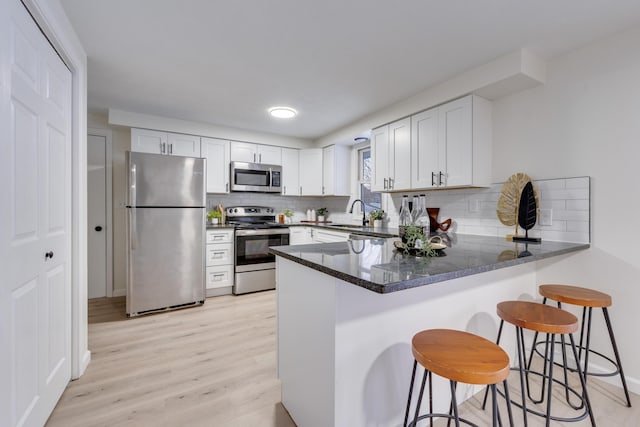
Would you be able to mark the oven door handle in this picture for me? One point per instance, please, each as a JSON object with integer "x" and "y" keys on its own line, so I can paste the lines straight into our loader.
{"x": 262, "y": 232}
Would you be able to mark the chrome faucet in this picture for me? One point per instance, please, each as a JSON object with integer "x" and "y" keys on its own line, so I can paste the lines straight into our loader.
{"x": 364, "y": 215}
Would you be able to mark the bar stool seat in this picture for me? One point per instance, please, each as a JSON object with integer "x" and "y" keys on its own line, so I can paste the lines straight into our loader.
{"x": 588, "y": 299}
{"x": 459, "y": 357}
{"x": 551, "y": 321}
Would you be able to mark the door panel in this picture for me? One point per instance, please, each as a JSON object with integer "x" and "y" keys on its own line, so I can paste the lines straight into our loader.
{"x": 35, "y": 219}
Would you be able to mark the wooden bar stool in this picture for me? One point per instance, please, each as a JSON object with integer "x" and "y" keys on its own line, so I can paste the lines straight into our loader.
{"x": 459, "y": 357}
{"x": 550, "y": 321}
{"x": 588, "y": 299}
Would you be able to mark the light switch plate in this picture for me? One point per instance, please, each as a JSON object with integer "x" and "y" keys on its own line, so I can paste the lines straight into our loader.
{"x": 546, "y": 216}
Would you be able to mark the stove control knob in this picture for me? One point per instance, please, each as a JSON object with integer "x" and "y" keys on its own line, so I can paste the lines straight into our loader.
{"x": 235, "y": 210}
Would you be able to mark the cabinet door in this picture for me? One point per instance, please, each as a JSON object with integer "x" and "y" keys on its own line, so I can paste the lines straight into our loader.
{"x": 311, "y": 176}
{"x": 290, "y": 170}
{"x": 243, "y": 152}
{"x": 149, "y": 141}
{"x": 269, "y": 155}
{"x": 325, "y": 236}
{"x": 400, "y": 154}
{"x": 425, "y": 149}
{"x": 299, "y": 236}
{"x": 216, "y": 151}
{"x": 183, "y": 145}
{"x": 336, "y": 169}
{"x": 456, "y": 134}
{"x": 380, "y": 158}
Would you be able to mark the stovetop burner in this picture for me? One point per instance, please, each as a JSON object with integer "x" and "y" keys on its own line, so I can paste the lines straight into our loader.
{"x": 252, "y": 217}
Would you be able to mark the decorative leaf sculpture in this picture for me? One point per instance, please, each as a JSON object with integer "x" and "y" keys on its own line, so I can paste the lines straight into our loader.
{"x": 527, "y": 211}
{"x": 509, "y": 201}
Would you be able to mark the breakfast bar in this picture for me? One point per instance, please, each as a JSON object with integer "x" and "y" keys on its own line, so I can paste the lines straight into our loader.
{"x": 347, "y": 312}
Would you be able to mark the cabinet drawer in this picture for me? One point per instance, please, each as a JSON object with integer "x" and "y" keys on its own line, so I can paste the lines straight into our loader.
{"x": 221, "y": 254}
{"x": 219, "y": 276}
{"x": 220, "y": 236}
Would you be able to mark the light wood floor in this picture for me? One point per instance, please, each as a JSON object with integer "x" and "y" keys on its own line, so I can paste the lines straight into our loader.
{"x": 215, "y": 365}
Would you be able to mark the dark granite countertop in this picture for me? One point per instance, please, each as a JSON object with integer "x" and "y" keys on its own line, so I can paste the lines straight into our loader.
{"x": 350, "y": 228}
{"x": 376, "y": 265}
{"x": 216, "y": 226}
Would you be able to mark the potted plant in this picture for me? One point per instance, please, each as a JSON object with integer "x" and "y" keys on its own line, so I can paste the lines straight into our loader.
{"x": 288, "y": 213}
{"x": 214, "y": 217}
{"x": 375, "y": 218}
{"x": 321, "y": 214}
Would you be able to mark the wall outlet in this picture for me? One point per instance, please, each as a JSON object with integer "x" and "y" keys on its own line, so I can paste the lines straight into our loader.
{"x": 546, "y": 216}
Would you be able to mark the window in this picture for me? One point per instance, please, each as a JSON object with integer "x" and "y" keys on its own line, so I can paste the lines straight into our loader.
{"x": 371, "y": 200}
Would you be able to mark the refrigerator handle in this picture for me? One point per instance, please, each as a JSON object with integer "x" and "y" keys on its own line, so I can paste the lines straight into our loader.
{"x": 132, "y": 185}
{"x": 270, "y": 178}
{"x": 133, "y": 228}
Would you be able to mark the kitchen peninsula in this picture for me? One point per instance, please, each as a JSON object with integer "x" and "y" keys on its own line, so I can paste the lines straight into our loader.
{"x": 347, "y": 312}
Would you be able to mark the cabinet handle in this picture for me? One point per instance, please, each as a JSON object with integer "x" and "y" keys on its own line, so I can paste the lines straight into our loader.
{"x": 433, "y": 179}
{"x": 385, "y": 183}
{"x": 260, "y": 158}
{"x": 284, "y": 190}
{"x": 161, "y": 149}
{"x": 323, "y": 189}
{"x": 226, "y": 187}
{"x": 390, "y": 183}
{"x": 301, "y": 190}
{"x": 440, "y": 175}
{"x": 170, "y": 148}
{"x": 254, "y": 157}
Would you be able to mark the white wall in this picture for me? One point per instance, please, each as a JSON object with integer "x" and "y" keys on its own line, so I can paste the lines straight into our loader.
{"x": 585, "y": 121}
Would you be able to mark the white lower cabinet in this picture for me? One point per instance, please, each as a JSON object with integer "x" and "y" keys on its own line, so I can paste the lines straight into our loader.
{"x": 300, "y": 235}
{"x": 219, "y": 256}
{"x": 321, "y": 235}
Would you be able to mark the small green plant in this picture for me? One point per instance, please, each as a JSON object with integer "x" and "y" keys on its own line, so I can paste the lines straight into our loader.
{"x": 213, "y": 214}
{"x": 415, "y": 239}
{"x": 288, "y": 213}
{"x": 376, "y": 214}
{"x": 322, "y": 211}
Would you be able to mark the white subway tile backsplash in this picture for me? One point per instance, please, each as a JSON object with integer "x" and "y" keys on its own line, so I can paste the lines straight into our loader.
{"x": 578, "y": 226}
{"x": 566, "y": 194}
{"x": 578, "y": 205}
{"x": 580, "y": 182}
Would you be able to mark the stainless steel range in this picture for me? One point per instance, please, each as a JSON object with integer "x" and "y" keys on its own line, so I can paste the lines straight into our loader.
{"x": 256, "y": 231}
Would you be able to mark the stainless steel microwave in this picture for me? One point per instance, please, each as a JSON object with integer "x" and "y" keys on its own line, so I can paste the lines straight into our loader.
{"x": 256, "y": 177}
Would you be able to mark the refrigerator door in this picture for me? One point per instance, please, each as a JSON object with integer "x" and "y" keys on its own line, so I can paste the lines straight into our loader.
{"x": 165, "y": 258}
{"x": 165, "y": 181}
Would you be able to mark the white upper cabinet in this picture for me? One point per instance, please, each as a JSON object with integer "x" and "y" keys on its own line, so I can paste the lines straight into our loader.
{"x": 151, "y": 141}
{"x": 335, "y": 171}
{"x": 451, "y": 145}
{"x": 391, "y": 153}
{"x": 311, "y": 172}
{"x": 256, "y": 153}
{"x": 217, "y": 153}
{"x": 425, "y": 149}
{"x": 290, "y": 171}
{"x": 379, "y": 156}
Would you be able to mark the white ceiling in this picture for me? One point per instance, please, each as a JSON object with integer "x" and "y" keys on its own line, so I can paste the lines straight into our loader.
{"x": 335, "y": 61}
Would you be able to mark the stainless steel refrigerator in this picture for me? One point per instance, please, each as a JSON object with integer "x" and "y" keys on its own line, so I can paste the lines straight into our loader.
{"x": 166, "y": 206}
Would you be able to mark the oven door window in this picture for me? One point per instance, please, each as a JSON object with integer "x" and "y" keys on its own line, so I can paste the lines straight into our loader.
{"x": 252, "y": 177}
{"x": 255, "y": 249}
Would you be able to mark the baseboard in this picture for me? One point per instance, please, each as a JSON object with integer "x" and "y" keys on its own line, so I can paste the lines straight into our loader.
{"x": 84, "y": 362}
{"x": 119, "y": 293}
{"x": 216, "y": 292}
{"x": 633, "y": 384}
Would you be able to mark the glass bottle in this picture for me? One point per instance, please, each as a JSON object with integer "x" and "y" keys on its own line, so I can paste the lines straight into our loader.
{"x": 405, "y": 212}
{"x": 415, "y": 209}
{"x": 422, "y": 216}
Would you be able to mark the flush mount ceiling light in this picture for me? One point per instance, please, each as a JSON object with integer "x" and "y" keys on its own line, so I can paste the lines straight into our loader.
{"x": 283, "y": 112}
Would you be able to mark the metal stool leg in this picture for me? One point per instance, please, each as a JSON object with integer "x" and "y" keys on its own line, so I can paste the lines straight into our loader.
{"x": 585, "y": 394}
{"x": 413, "y": 377}
{"x": 615, "y": 352}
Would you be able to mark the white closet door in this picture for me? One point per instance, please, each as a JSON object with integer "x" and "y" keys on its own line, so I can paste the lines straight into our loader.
{"x": 35, "y": 221}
